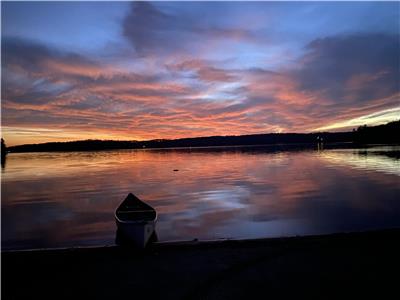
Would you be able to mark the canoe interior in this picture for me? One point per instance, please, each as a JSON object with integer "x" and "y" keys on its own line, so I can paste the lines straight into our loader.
{"x": 133, "y": 209}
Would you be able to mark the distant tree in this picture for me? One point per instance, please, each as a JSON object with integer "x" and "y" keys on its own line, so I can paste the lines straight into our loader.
{"x": 362, "y": 128}
{"x": 3, "y": 147}
{"x": 386, "y": 133}
{"x": 3, "y": 153}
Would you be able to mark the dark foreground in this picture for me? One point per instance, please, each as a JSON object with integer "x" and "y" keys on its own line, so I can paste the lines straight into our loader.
{"x": 324, "y": 267}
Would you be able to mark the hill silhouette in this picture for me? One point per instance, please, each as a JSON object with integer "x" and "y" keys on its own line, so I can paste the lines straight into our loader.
{"x": 388, "y": 133}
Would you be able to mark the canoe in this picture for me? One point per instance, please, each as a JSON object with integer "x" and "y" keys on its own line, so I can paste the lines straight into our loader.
{"x": 136, "y": 220}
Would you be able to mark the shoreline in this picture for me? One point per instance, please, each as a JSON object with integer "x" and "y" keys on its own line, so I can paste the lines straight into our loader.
{"x": 286, "y": 146}
{"x": 209, "y": 243}
{"x": 329, "y": 266}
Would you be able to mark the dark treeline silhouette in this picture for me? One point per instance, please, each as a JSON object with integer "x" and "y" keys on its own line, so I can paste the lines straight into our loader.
{"x": 382, "y": 134}
{"x": 259, "y": 139}
{"x": 388, "y": 133}
{"x": 3, "y": 153}
{"x": 3, "y": 147}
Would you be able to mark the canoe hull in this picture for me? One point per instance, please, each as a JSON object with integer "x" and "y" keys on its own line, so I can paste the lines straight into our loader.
{"x": 137, "y": 234}
{"x": 136, "y": 221}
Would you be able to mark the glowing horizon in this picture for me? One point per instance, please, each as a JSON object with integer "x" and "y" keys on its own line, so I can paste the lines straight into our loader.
{"x": 165, "y": 70}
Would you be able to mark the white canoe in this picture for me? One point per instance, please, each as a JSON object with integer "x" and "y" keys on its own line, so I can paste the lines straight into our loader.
{"x": 136, "y": 220}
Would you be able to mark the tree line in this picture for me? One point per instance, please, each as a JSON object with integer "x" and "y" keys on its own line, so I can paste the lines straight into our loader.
{"x": 388, "y": 133}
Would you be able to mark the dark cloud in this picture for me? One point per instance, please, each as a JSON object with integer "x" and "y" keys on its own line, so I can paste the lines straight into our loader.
{"x": 42, "y": 86}
{"x": 32, "y": 56}
{"x": 352, "y": 68}
{"x": 152, "y": 31}
{"x": 16, "y": 51}
{"x": 35, "y": 74}
{"x": 145, "y": 26}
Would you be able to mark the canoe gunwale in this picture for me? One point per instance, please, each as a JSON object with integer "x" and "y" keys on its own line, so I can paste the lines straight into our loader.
{"x": 136, "y": 222}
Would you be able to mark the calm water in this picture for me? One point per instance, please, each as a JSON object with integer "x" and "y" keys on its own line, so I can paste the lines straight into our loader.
{"x": 68, "y": 199}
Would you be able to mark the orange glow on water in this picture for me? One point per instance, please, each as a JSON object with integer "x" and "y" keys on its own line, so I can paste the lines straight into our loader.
{"x": 264, "y": 194}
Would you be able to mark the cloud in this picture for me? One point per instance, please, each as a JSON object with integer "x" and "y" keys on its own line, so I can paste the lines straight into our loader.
{"x": 204, "y": 71}
{"x": 151, "y": 31}
{"x": 34, "y": 57}
{"x": 352, "y": 68}
{"x": 65, "y": 90}
{"x": 146, "y": 27}
{"x": 34, "y": 73}
{"x": 52, "y": 89}
{"x": 380, "y": 117}
{"x": 343, "y": 78}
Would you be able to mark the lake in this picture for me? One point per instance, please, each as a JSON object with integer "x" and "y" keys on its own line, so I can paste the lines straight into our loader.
{"x": 67, "y": 199}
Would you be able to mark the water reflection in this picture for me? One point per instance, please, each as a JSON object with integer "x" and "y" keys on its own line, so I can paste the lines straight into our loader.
{"x": 380, "y": 159}
{"x": 68, "y": 199}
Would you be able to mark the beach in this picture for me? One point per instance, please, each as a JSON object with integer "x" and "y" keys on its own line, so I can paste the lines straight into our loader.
{"x": 329, "y": 267}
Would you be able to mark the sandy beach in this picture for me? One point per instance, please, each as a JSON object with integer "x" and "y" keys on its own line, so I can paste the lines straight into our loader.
{"x": 329, "y": 267}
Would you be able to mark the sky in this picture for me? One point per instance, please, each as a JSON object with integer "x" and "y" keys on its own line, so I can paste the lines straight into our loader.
{"x": 164, "y": 70}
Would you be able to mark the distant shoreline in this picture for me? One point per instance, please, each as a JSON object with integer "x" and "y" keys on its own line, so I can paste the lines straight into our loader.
{"x": 200, "y": 142}
{"x": 382, "y": 134}
{"x": 176, "y": 244}
{"x": 272, "y": 147}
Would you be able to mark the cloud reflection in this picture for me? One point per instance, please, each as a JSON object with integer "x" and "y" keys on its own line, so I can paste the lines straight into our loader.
{"x": 60, "y": 199}
{"x": 379, "y": 159}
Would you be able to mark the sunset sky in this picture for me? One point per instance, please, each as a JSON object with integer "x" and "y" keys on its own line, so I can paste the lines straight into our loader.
{"x": 138, "y": 71}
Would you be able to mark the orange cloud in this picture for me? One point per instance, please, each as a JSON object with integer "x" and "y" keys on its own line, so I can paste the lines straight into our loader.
{"x": 82, "y": 98}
